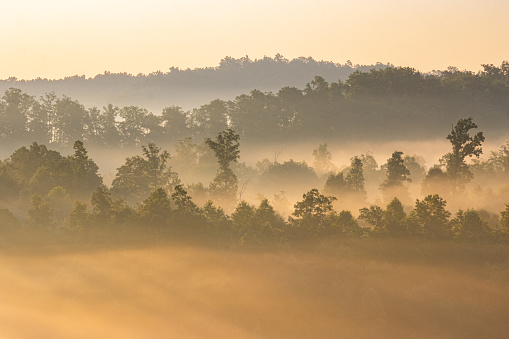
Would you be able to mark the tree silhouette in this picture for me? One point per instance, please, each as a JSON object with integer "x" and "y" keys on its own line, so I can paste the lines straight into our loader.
{"x": 463, "y": 145}
{"x": 226, "y": 148}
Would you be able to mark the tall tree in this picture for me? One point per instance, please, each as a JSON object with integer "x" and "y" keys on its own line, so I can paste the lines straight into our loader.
{"x": 175, "y": 123}
{"x": 397, "y": 175}
{"x": 140, "y": 176}
{"x": 109, "y": 134}
{"x": 397, "y": 172}
{"x": 70, "y": 121}
{"x": 85, "y": 177}
{"x": 463, "y": 145}
{"x": 355, "y": 177}
{"x": 14, "y": 108}
{"x": 211, "y": 118}
{"x": 226, "y": 148}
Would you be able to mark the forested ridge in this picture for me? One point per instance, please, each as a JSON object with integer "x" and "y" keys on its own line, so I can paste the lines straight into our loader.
{"x": 389, "y": 103}
{"x": 190, "y": 87}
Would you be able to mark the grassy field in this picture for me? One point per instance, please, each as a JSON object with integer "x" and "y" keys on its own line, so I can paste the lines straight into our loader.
{"x": 340, "y": 289}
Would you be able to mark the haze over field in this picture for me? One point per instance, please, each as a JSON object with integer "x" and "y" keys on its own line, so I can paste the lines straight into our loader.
{"x": 254, "y": 169}
{"x": 348, "y": 289}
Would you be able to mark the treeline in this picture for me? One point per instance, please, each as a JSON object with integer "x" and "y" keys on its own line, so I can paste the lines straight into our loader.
{"x": 382, "y": 104}
{"x": 190, "y": 87}
{"x": 172, "y": 217}
{"x": 45, "y": 183}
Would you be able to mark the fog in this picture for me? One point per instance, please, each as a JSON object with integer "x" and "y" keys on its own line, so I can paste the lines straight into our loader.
{"x": 427, "y": 153}
{"x": 272, "y": 215}
{"x": 349, "y": 289}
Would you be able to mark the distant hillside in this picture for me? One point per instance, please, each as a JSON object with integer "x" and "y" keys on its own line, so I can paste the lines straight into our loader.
{"x": 190, "y": 87}
{"x": 387, "y": 104}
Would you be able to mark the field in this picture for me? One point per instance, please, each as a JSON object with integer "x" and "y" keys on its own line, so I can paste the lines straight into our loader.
{"x": 363, "y": 288}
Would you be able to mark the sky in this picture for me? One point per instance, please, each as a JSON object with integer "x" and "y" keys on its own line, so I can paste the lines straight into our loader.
{"x": 53, "y": 39}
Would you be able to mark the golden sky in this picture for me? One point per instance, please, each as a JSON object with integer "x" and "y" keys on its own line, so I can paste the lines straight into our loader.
{"x": 53, "y": 38}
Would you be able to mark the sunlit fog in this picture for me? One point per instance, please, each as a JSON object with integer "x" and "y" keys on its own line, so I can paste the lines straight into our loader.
{"x": 240, "y": 169}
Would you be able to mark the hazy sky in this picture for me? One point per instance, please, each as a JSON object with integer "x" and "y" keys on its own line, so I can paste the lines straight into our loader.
{"x": 53, "y": 38}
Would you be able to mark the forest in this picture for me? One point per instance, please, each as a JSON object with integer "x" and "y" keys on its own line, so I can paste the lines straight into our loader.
{"x": 205, "y": 223}
{"x": 190, "y": 87}
{"x": 392, "y": 103}
{"x": 49, "y": 194}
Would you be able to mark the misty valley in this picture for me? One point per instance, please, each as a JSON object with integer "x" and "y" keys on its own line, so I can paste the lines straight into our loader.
{"x": 259, "y": 217}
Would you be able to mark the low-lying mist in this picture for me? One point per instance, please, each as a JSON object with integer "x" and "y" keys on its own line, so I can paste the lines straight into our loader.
{"x": 426, "y": 152}
{"x": 350, "y": 289}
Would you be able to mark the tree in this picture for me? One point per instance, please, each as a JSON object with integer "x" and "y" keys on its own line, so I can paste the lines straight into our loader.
{"x": 468, "y": 225}
{"x": 140, "y": 176}
{"x": 394, "y": 219}
{"x": 261, "y": 226}
{"x": 70, "y": 121}
{"x": 435, "y": 182}
{"x": 463, "y": 145}
{"x": 155, "y": 164}
{"x": 290, "y": 176}
{"x": 9, "y": 186}
{"x": 14, "y": 107}
{"x": 355, "y": 177}
{"x": 103, "y": 205}
{"x": 397, "y": 175}
{"x": 108, "y": 133}
{"x": 430, "y": 218}
{"x": 133, "y": 128}
{"x": 174, "y": 123}
{"x": 397, "y": 172}
{"x": 242, "y": 217}
{"x": 85, "y": 177}
{"x": 413, "y": 164}
{"x": 156, "y": 209}
{"x": 184, "y": 202}
{"x": 217, "y": 219}
{"x": 211, "y": 118}
{"x": 60, "y": 201}
{"x": 40, "y": 214}
{"x": 504, "y": 220}
{"x": 79, "y": 218}
{"x": 77, "y": 173}
{"x": 345, "y": 223}
{"x": 374, "y": 215}
{"x": 313, "y": 204}
{"x": 226, "y": 148}
{"x": 25, "y": 162}
{"x": 336, "y": 185}
{"x": 312, "y": 211}
{"x": 322, "y": 160}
